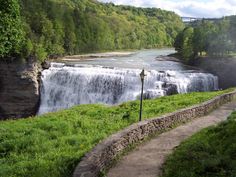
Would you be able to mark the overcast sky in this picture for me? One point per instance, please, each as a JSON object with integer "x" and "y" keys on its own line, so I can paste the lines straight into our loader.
{"x": 192, "y": 8}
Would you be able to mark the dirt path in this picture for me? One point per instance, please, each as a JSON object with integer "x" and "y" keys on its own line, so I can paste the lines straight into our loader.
{"x": 147, "y": 159}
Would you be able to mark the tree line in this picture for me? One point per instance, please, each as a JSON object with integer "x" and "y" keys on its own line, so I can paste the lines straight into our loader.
{"x": 52, "y": 28}
{"x": 215, "y": 38}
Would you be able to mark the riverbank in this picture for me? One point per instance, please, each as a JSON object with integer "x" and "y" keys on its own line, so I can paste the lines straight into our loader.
{"x": 116, "y": 53}
{"x": 97, "y": 55}
{"x": 168, "y": 58}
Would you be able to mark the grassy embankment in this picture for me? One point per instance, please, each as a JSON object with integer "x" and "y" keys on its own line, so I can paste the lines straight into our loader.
{"x": 209, "y": 153}
{"x": 53, "y": 144}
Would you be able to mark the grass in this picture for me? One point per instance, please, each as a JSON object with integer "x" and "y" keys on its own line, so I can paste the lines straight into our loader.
{"x": 53, "y": 144}
{"x": 209, "y": 153}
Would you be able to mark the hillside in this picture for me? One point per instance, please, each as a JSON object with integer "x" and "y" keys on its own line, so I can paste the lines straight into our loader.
{"x": 58, "y": 27}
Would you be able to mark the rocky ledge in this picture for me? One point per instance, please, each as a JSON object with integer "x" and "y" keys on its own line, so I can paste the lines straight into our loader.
{"x": 19, "y": 88}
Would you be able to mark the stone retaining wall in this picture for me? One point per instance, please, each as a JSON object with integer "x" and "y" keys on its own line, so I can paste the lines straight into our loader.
{"x": 102, "y": 156}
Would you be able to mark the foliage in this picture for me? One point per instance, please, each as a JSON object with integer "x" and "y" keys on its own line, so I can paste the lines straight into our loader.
{"x": 209, "y": 153}
{"x": 187, "y": 47}
{"x": 214, "y": 38}
{"x": 58, "y": 27}
{"x": 11, "y": 33}
{"x": 53, "y": 144}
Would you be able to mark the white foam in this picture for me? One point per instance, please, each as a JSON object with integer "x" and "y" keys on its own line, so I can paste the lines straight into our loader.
{"x": 65, "y": 86}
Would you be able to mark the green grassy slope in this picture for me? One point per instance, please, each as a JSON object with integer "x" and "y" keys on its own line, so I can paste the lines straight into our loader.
{"x": 53, "y": 144}
{"x": 209, "y": 153}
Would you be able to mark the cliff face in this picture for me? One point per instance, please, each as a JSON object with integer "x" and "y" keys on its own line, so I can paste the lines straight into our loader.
{"x": 19, "y": 89}
{"x": 224, "y": 68}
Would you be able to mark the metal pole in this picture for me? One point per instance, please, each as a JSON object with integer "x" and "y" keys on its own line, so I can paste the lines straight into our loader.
{"x": 141, "y": 102}
{"x": 142, "y": 75}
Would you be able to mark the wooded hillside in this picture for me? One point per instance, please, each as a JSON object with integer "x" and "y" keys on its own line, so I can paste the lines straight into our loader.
{"x": 215, "y": 38}
{"x": 57, "y": 27}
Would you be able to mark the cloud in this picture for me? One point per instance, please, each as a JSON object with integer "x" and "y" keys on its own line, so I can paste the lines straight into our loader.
{"x": 232, "y": 2}
{"x": 193, "y": 8}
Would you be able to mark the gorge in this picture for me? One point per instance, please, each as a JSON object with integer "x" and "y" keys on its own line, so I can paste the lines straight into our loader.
{"x": 60, "y": 97}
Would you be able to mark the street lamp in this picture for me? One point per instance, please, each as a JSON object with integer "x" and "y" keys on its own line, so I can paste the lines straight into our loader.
{"x": 142, "y": 75}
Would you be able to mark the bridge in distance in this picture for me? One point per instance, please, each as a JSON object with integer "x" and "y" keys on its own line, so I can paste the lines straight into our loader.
{"x": 192, "y": 19}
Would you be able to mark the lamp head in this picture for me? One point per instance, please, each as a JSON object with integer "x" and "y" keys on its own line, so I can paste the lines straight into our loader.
{"x": 142, "y": 75}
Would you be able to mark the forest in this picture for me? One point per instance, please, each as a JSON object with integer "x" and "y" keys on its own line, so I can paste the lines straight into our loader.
{"x": 215, "y": 38}
{"x": 53, "y": 28}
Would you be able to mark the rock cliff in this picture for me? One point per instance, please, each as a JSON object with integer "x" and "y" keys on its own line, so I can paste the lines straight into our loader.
{"x": 224, "y": 68}
{"x": 19, "y": 88}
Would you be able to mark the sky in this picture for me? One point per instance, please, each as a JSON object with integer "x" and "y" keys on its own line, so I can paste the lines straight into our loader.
{"x": 187, "y": 8}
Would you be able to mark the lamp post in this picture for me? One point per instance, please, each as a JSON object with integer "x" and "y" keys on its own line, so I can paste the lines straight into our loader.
{"x": 142, "y": 75}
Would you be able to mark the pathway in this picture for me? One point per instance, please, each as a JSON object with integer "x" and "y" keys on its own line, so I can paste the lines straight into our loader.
{"x": 147, "y": 159}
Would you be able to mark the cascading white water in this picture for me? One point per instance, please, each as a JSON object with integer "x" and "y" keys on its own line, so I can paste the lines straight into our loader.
{"x": 64, "y": 86}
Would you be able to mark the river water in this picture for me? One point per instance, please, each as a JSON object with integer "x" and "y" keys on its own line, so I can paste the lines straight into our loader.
{"x": 141, "y": 59}
{"x": 115, "y": 80}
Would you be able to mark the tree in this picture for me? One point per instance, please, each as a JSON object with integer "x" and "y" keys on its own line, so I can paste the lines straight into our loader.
{"x": 184, "y": 44}
{"x": 216, "y": 38}
{"x": 178, "y": 44}
{"x": 11, "y": 34}
{"x": 232, "y": 31}
{"x": 187, "y": 48}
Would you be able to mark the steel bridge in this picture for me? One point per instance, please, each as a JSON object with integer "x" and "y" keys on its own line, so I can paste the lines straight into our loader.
{"x": 192, "y": 19}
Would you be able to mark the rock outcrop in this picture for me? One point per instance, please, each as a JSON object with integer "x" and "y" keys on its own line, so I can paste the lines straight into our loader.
{"x": 19, "y": 88}
{"x": 224, "y": 68}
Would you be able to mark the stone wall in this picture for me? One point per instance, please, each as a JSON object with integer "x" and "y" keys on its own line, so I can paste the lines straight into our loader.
{"x": 224, "y": 68}
{"x": 19, "y": 88}
{"x": 101, "y": 157}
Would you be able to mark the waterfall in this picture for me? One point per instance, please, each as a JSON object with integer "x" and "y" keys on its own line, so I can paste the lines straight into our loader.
{"x": 64, "y": 86}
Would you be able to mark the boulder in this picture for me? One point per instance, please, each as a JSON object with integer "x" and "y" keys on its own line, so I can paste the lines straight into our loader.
{"x": 171, "y": 89}
{"x": 46, "y": 65}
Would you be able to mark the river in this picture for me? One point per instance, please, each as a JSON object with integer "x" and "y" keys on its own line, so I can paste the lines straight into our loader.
{"x": 138, "y": 60}
{"x": 113, "y": 80}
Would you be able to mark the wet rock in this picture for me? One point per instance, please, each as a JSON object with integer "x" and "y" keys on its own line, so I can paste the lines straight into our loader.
{"x": 171, "y": 89}
{"x": 46, "y": 65}
{"x": 19, "y": 88}
{"x": 152, "y": 93}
